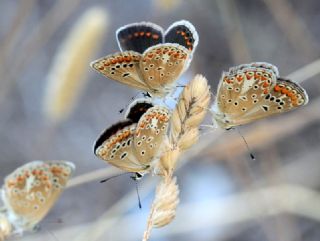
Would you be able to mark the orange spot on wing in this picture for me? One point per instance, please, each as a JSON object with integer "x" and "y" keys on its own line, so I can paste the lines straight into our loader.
{"x": 155, "y": 36}
{"x": 120, "y": 59}
{"x": 277, "y": 88}
{"x": 248, "y": 76}
{"x": 239, "y": 78}
{"x": 148, "y": 34}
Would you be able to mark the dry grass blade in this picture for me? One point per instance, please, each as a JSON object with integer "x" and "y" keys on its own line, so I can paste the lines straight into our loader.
{"x": 68, "y": 74}
{"x": 164, "y": 206}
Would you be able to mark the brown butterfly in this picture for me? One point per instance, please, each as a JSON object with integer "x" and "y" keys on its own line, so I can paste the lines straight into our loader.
{"x": 133, "y": 144}
{"x": 254, "y": 91}
{"x": 151, "y": 60}
{"x": 31, "y": 190}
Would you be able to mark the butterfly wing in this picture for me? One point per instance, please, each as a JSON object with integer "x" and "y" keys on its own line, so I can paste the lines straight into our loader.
{"x": 122, "y": 67}
{"x": 116, "y": 146}
{"x": 251, "y": 92}
{"x": 150, "y": 133}
{"x": 183, "y": 33}
{"x": 162, "y": 65}
{"x": 139, "y": 36}
{"x": 137, "y": 108}
{"x": 31, "y": 190}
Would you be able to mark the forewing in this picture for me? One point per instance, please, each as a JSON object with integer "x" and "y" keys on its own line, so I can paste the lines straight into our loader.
{"x": 284, "y": 96}
{"x": 115, "y": 146}
{"x": 137, "y": 108}
{"x": 247, "y": 93}
{"x": 139, "y": 36}
{"x": 122, "y": 67}
{"x": 183, "y": 33}
{"x": 31, "y": 190}
{"x": 162, "y": 65}
{"x": 150, "y": 133}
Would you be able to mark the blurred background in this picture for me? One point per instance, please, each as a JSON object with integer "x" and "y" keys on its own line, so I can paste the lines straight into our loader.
{"x": 53, "y": 106}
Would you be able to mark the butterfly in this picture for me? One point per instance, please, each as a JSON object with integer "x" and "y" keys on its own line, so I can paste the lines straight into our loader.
{"x": 254, "y": 91}
{"x": 150, "y": 59}
{"x": 31, "y": 190}
{"x": 134, "y": 143}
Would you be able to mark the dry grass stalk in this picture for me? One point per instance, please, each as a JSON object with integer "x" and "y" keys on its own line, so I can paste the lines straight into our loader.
{"x": 164, "y": 206}
{"x": 186, "y": 118}
{"x": 68, "y": 73}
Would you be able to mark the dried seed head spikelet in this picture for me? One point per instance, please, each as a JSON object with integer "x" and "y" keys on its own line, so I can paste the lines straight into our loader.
{"x": 164, "y": 206}
{"x": 5, "y": 227}
{"x": 68, "y": 74}
{"x": 168, "y": 159}
{"x": 166, "y": 202}
{"x": 186, "y": 118}
{"x": 190, "y": 110}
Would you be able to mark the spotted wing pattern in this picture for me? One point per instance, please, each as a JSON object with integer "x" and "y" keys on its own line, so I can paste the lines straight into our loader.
{"x": 253, "y": 91}
{"x": 31, "y": 190}
{"x": 116, "y": 146}
{"x": 122, "y": 67}
{"x": 132, "y": 144}
{"x": 150, "y": 132}
{"x": 139, "y": 36}
{"x": 162, "y": 65}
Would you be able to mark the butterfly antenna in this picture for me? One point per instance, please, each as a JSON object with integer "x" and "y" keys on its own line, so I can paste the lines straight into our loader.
{"x": 246, "y": 143}
{"x": 118, "y": 175}
{"x": 137, "y": 189}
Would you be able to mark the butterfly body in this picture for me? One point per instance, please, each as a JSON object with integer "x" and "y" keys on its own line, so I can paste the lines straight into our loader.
{"x": 254, "y": 91}
{"x": 133, "y": 144}
{"x": 150, "y": 60}
{"x": 32, "y": 189}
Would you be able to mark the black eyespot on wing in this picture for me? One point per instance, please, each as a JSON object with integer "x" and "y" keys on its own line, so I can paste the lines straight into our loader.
{"x": 109, "y": 132}
{"x": 137, "y": 110}
{"x": 183, "y": 33}
{"x": 139, "y": 36}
